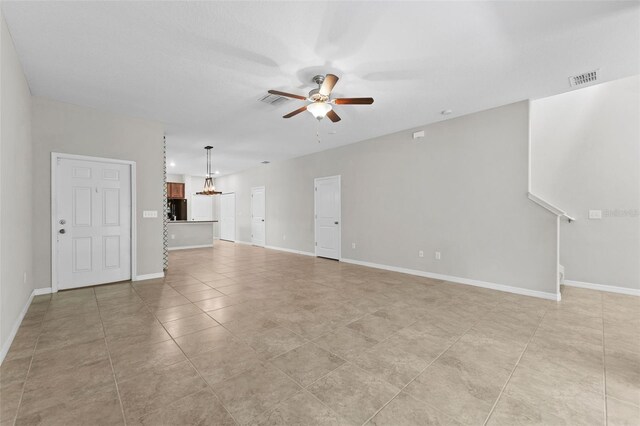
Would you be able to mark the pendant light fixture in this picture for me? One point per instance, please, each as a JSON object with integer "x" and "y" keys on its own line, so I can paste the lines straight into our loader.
{"x": 209, "y": 188}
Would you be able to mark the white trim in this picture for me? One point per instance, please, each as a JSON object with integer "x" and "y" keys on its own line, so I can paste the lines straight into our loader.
{"x": 55, "y": 156}
{"x": 190, "y": 247}
{"x": 264, "y": 191}
{"x": 305, "y": 253}
{"x": 547, "y": 205}
{"x": 14, "y": 330}
{"x": 246, "y": 243}
{"x": 41, "y": 291}
{"x": 459, "y": 280}
{"x": 603, "y": 287}
{"x": 315, "y": 212}
{"x": 148, "y": 276}
{"x": 558, "y": 266}
{"x": 235, "y": 217}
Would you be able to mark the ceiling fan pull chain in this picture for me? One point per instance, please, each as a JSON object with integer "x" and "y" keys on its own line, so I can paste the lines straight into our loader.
{"x": 318, "y": 131}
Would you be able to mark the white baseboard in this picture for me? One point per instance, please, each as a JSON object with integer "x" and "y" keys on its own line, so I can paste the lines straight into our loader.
{"x": 148, "y": 276}
{"x": 459, "y": 280}
{"x": 603, "y": 287}
{"x": 14, "y": 330}
{"x": 246, "y": 243}
{"x": 41, "y": 291}
{"x": 190, "y": 247}
{"x": 305, "y": 253}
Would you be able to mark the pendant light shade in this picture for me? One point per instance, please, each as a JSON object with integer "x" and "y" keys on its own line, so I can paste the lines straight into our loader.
{"x": 209, "y": 187}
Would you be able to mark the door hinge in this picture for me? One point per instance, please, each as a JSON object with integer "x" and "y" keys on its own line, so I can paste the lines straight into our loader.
{"x": 316, "y": 243}
{"x": 316, "y": 188}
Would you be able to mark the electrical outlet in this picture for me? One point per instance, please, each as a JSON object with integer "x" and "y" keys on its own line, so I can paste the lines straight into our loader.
{"x": 284, "y": 237}
{"x": 437, "y": 255}
{"x": 173, "y": 236}
{"x": 150, "y": 213}
{"x": 353, "y": 245}
{"x": 24, "y": 278}
{"x": 420, "y": 253}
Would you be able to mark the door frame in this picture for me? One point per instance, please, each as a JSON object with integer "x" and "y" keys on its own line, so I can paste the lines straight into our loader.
{"x": 264, "y": 191}
{"x": 55, "y": 157}
{"x": 315, "y": 215}
{"x": 234, "y": 216}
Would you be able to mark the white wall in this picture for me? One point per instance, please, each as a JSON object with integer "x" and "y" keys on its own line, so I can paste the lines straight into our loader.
{"x": 585, "y": 155}
{"x": 72, "y": 129}
{"x": 16, "y": 188}
{"x": 461, "y": 190}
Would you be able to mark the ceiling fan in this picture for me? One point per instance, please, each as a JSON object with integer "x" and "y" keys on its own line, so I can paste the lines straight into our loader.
{"x": 320, "y": 98}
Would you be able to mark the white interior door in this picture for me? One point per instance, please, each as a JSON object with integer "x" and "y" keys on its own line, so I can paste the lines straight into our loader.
{"x": 228, "y": 217}
{"x": 327, "y": 217}
{"x": 92, "y": 222}
{"x": 258, "y": 216}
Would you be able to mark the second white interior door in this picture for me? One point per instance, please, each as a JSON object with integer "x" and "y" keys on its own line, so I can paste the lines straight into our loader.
{"x": 258, "y": 216}
{"x": 228, "y": 217}
{"x": 327, "y": 217}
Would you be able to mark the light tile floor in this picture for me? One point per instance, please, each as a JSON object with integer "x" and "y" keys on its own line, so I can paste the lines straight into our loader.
{"x": 245, "y": 335}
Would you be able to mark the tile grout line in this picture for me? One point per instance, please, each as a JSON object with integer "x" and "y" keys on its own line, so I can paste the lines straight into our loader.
{"x": 495, "y": 404}
{"x": 425, "y": 369}
{"x": 113, "y": 371}
{"x": 33, "y": 354}
{"x": 304, "y": 389}
{"x": 188, "y": 360}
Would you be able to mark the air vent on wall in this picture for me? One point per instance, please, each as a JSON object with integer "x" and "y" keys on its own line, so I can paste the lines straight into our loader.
{"x": 584, "y": 78}
{"x": 274, "y": 99}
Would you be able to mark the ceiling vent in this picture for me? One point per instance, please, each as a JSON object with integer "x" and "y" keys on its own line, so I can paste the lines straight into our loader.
{"x": 265, "y": 162}
{"x": 584, "y": 78}
{"x": 274, "y": 99}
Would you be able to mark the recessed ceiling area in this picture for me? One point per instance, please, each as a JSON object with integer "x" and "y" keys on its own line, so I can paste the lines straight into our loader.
{"x": 202, "y": 67}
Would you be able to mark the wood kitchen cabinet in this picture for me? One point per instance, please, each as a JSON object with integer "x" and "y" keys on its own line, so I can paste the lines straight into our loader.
{"x": 175, "y": 190}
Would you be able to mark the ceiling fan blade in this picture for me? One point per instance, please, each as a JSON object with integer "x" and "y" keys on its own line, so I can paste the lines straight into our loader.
{"x": 288, "y": 95}
{"x": 353, "y": 101}
{"x": 333, "y": 116}
{"x": 298, "y": 111}
{"x": 330, "y": 80}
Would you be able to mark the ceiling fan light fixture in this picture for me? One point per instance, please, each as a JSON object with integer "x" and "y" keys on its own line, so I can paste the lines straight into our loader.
{"x": 319, "y": 109}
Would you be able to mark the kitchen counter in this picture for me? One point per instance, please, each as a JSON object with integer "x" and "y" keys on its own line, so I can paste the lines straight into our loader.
{"x": 192, "y": 221}
{"x": 190, "y": 234}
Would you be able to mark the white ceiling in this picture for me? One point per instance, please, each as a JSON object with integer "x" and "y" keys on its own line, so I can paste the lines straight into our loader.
{"x": 200, "y": 67}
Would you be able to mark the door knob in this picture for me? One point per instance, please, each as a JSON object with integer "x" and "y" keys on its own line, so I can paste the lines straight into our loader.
{"x": 62, "y": 231}
{"x": 263, "y": 220}
{"x": 335, "y": 223}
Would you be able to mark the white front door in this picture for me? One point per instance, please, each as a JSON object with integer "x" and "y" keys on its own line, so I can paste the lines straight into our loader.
{"x": 257, "y": 216}
{"x": 327, "y": 217}
{"x": 228, "y": 217}
{"x": 92, "y": 219}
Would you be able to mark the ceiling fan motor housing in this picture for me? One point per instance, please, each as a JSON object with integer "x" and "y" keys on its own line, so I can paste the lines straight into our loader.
{"x": 316, "y": 96}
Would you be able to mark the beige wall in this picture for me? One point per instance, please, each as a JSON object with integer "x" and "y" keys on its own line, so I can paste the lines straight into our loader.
{"x": 16, "y": 187}
{"x": 72, "y": 129}
{"x": 461, "y": 190}
{"x": 585, "y": 155}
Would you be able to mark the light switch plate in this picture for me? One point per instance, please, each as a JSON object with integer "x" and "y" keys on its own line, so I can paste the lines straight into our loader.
{"x": 150, "y": 213}
{"x": 595, "y": 214}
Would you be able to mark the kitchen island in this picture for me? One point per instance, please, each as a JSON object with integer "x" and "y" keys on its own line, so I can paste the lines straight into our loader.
{"x": 189, "y": 234}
